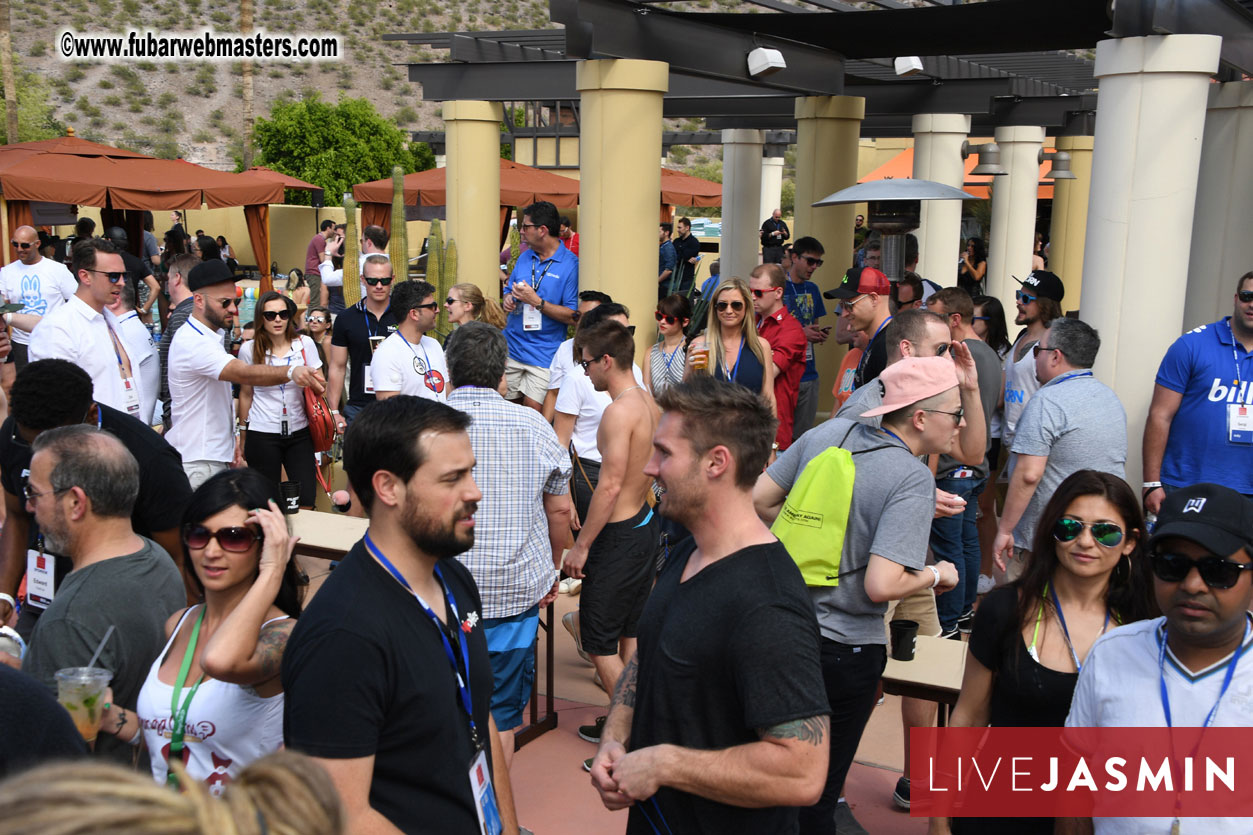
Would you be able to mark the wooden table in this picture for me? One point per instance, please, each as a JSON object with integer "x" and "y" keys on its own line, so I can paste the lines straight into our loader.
{"x": 935, "y": 674}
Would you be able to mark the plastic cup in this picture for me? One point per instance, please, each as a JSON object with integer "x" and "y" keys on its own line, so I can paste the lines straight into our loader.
{"x": 80, "y": 690}
{"x": 700, "y": 359}
{"x": 904, "y": 634}
{"x": 291, "y": 496}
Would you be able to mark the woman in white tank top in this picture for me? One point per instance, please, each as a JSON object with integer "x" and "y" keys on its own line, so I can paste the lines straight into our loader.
{"x": 218, "y": 677}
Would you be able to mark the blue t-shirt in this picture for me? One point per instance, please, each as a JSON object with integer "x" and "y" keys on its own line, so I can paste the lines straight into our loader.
{"x": 1202, "y": 365}
{"x": 709, "y": 286}
{"x": 557, "y": 282}
{"x": 804, "y": 301}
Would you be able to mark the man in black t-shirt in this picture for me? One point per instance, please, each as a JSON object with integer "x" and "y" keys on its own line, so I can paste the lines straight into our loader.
{"x": 371, "y": 675}
{"x": 727, "y": 674}
{"x": 358, "y": 331}
{"x": 864, "y": 294}
{"x": 52, "y": 393}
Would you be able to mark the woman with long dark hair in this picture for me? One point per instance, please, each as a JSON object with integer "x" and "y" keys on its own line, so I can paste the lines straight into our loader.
{"x": 1087, "y": 574}
{"x": 665, "y": 361}
{"x": 275, "y": 428}
{"x": 220, "y": 666}
{"x": 989, "y": 323}
{"x": 973, "y": 267}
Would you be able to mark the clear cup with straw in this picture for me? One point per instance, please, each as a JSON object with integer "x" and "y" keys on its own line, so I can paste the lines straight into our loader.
{"x": 80, "y": 690}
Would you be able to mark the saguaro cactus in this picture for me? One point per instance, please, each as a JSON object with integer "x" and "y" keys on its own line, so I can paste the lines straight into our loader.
{"x": 398, "y": 249}
{"x": 441, "y": 270}
{"x": 352, "y": 278}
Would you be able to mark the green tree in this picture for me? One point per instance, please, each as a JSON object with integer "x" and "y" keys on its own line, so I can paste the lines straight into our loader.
{"x": 336, "y": 145}
{"x": 36, "y": 118}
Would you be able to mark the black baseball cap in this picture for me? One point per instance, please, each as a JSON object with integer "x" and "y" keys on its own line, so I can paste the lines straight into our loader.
{"x": 1217, "y": 518}
{"x": 1044, "y": 283}
{"x": 208, "y": 273}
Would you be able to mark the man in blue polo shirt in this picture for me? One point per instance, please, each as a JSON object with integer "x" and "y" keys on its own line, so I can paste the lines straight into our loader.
{"x": 540, "y": 297}
{"x": 804, "y": 301}
{"x": 1200, "y": 424}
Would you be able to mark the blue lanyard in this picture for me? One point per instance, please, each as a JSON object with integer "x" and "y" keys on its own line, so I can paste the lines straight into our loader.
{"x": 861, "y": 363}
{"x": 1069, "y": 377}
{"x": 1235, "y": 353}
{"x": 897, "y": 437}
{"x": 373, "y": 331}
{"x": 1061, "y": 617}
{"x": 134, "y": 315}
{"x": 670, "y": 358}
{"x": 426, "y": 358}
{"x": 1231, "y": 671}
{"x": 463, "y": 681}
{"x": 282, "y": 387}
{"x": 736, "y": 368}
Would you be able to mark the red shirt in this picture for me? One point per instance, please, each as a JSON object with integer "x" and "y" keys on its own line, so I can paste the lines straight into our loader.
{"x": 316, "y": 246}
{"x": 572, "y": 243}
{"x": 787, "y": 343}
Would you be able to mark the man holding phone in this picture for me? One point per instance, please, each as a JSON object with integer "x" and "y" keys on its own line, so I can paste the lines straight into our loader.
{"x": 803, "y": 300}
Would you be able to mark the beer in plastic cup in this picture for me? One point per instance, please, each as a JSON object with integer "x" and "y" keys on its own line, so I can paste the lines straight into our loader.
{"x": 700, "y": 358}
{"x": 80, "y": 690}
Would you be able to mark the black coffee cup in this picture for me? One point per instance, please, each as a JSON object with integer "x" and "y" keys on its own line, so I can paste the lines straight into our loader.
{"x": 904, "y": 634}
{"x": 291, "y": 496}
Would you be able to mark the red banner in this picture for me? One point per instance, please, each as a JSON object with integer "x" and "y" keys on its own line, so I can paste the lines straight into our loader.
{"x": 1081, "y": 772}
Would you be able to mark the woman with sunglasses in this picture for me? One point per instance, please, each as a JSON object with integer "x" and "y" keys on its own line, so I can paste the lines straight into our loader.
{"x": 318, "y": 328}
{"x": 1087, "y": 574}
{"x": 466, "y": 303}
{"x": 275, "y": 430}
{"x": 730, "y": 348}
{"x": 218, "y": 676}
{"x": 665, "y": 367}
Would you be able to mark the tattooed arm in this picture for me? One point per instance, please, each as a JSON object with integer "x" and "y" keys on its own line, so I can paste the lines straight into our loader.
{"x": 614, "y": 737}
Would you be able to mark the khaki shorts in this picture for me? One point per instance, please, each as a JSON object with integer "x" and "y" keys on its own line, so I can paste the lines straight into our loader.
{"x": 918, "y": 607}
{"x": 1017, "y": 565}
{"x": 525, "y": 380}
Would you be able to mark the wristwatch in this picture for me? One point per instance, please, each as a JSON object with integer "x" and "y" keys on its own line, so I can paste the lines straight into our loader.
{"x": 540, "y": 306}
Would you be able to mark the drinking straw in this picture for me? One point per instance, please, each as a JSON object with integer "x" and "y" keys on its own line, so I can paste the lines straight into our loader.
{"x": 100, "y": 648}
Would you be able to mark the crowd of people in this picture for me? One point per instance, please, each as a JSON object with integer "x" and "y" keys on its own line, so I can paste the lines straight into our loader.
{"x": 737, "y": 559}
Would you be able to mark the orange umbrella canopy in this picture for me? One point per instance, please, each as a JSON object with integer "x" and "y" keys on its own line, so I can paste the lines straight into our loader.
{"x": 679, "y": 189}
{"x": 288, "y": 181}
{"x": 902, "y": 166}
{"x": 520, "y": 185}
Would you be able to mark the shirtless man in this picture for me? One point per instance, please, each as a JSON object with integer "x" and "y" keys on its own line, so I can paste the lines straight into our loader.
{"x": 617, "y": 544}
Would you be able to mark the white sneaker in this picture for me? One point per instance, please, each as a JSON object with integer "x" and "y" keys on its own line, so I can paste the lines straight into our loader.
{"x": 986, "y": 584}
{"x": 570, "y": 586}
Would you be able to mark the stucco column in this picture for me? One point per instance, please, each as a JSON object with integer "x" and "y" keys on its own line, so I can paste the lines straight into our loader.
{"x": 828, "y": 131}
{"x": 1013, "y": 212}
{"x": 472, "y": 134}
{"x": 441, "y": 160}
{"x": 771, "y": 187}
{"x": 620, "y": 184}
{"x": 1222, "y": 248}
{"x": 1149, "y": 118}
{"x": 741, "y": 201}
{"x": 1070, "y": 217}
{"x": 938, "y": 141}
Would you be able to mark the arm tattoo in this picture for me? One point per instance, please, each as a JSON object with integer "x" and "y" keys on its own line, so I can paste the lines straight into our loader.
{"x": 811, "y": 730}
{"x": 121, "y": 721}
{"x": 624, "y": 693}
{"x": 270, "y": 648}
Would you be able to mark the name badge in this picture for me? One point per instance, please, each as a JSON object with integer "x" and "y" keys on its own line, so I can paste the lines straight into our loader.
{"x": 369, "y": 379}
{"x": 1239, "y": 423}
{"x": 131, "y": 394}
{"x": 809, "y": 352}
{"x": 40, "y": 579}
{"x": 484, "y": 795}
{"x": 532, "y": 319}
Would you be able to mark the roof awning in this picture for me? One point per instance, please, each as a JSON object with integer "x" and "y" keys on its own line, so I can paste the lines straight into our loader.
{"x": 901, "y": 166}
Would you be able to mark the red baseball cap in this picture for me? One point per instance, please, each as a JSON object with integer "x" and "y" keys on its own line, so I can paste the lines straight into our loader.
{"x": 859, "y": 281}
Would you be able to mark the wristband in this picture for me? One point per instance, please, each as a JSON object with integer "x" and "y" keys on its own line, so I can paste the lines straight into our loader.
{"x": 1149, "y": 484}
{"x": 936, "y": 581}
{"x": 8, "y": 318}
{"x": 8, "y": 598}
{"x": 291, "y": 371}
{"x": 334, "y": 411}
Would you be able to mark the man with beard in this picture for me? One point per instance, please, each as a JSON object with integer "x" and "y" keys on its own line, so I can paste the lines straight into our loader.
{"x": 386, "y": 676}
{"x": 1039, "y": 303}
{"x": 201, "y": 373}
{"x": 731, "y": 603}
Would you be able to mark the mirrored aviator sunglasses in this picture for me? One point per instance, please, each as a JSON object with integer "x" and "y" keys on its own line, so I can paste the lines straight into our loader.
{"x": 237, "y": 538}
{"x": 1106, "y": 534}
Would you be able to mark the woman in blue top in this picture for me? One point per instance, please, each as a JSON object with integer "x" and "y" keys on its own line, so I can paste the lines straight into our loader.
{"x": 738, "y": 355}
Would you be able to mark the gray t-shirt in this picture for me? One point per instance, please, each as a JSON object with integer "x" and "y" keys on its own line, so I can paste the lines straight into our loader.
{"x": 988, "y": 367}
{"x": 1079, "y": 424}
{"x": 136, "y": 594}
{"x": 892, "y": 491}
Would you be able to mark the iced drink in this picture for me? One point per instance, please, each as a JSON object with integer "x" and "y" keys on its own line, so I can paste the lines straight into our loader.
{"x": 80, "y": 690}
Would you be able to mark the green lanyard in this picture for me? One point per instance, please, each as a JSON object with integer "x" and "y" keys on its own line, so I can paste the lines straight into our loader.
{"x": 178, "y": 715}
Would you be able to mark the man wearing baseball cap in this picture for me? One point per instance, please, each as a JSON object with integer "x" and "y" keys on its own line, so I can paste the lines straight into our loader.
{"x": 1038, "y": 301}
{"x": 885, "y": 544}
{"x": 1188, "y": 668}
{"x": 863, "y": 295}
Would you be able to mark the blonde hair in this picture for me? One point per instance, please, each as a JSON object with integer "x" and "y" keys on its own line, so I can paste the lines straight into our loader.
{"x": 713, "y": 327}
{"x": 282, "y": 794}
{"x": 484, "y": 309}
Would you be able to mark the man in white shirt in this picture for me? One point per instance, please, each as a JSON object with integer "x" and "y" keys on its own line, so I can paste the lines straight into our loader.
{"x": 201, "y": 373}
{"x": 374, "y": 240}
{"x": 86, "y": 333}
{"x": 39, "y": 283}
{"x": 146, "y": 360}
{"x": 409, "y": 361}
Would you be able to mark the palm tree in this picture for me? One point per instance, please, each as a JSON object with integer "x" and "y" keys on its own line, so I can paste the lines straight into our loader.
{"x": 6, "y": 66}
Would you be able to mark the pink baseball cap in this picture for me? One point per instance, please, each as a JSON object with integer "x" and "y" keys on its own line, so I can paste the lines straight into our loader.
{"x": 907, "y": 381}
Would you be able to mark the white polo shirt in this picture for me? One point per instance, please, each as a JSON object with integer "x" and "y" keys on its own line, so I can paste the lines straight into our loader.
{"x": 411, "y": 368}
{"x": 76, "y": 332}
{"x": 266, "y": 413}
{"x": 42, "y": 287}
{"x": 202, "y": 410}
{"x": 145, "y": 360}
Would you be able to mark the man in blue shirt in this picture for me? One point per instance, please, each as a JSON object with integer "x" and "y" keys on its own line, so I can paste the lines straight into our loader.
{"x": 804, "y": 301}
{"x": 667, "y": 260}
{"x": 541, "y": 296}
{"x": 1200, "y": 424}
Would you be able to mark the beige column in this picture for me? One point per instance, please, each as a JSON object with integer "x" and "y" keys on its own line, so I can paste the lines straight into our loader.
{"x": 1070, "y": 217}
{"x": 938, "y": 141}
{"x": 828, "y": 132}
{"x": 472, "y": 136}
{"x": 1013, "y": 212}
{"x": 1149, "y": 119}
{"x": 1222, "y": 248}
{"x": 620, "y": 184}
{"x": 741, "y": 201}
{"x": 771, "y": 187}
{"x": 441, "y": 160}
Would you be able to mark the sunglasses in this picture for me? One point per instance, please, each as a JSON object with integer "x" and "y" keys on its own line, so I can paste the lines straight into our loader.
{"x": 981, "y": 319}
{"x": 1025, "y": 298}
{"x": 227, "y": 304}
{"x": 757, "y": 294}
{"x": 848, "y": 306}
{"x": 1106, "y": 534}
{"x": 375, "y": 281}
{"x": 450, "y": 300}
{"x": 21, "y": 245}
{"x": 114, "y": 278}
{"x": 666, "y": 317}
{"x": 271, "y": 315}
{"x": 1245, "y": 296}
{"x": 1216, "y": 572}
{"x": 957, "y": 416}
{"x": 813, "y": 262}
{"x": 1037, "y": 348}
{"x": 427, "y": 306}
{"x": 586, "y": 363}
{"x": 315, "y": 320}
{"x": 237, "y": 538}
{"x": 737, "y": 306}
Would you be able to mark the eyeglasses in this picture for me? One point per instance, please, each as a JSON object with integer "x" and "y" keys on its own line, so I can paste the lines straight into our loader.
{"x": 941, "y": 349}
{"x": 1025, "y": 298}
{"x": 114, "y": 278}
{"x": 1216, "y": 572}
{"x": 586, "y": 363}
{"x": 1245, "y": 296}
{"x": 237, "y": 538}
{"x": 375, "y": 281}
{"x": 956, "y": 416}
{"x": 315, "y": 320}
{"x": 1037, "y": 348}
{"x": 1105, "y": 533}
{"x": 271, "y": 315}
{"x": 227, "y": 304}
{"x": 813, "y": 262}
{"x": 21, "y": 245}
{"x": 427, "y": 306}
{"x": 529, "y": 226}
{"x": 737, "y": 306}
{"x": 848, "y": 306}
{"x": 33, "y": 495}
{"x": 666, "y": 317}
